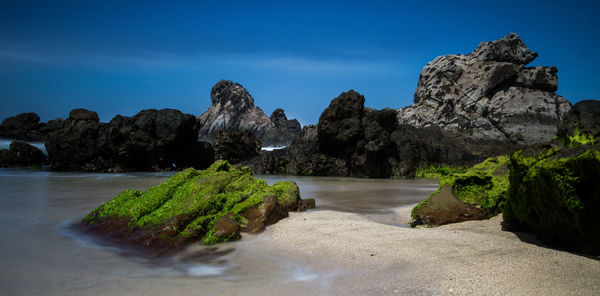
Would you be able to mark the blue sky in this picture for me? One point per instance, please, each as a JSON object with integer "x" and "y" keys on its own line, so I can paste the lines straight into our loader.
{"x": 119, "y": 57}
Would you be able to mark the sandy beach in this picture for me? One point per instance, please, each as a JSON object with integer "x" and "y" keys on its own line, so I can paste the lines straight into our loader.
{"x": 469, "y": 258}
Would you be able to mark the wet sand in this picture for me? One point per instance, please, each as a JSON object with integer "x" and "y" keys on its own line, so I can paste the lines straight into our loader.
{"x": 470, "y": 258}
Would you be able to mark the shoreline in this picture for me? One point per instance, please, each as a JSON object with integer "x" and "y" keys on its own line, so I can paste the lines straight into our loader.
{"x": 468, "y": 258}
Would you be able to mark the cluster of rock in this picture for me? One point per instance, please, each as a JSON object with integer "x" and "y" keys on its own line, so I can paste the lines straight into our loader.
{"x": 212, "y": 206}
{"x": 25, "y": 126}
{"x": 232, "y": 107}
{"x": 152, "y": 140}
{"x": 489, "y": 94}
{"x": 351, "y": 140}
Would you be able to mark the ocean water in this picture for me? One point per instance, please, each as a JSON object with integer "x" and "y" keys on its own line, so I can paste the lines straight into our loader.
{"x": 43, "y": 254}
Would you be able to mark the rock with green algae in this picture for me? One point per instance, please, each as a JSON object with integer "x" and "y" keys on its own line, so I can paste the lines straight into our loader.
{"x": 557, "y": 196}
{"x": 211, "y": 205}
{"x": 466, "y": 194}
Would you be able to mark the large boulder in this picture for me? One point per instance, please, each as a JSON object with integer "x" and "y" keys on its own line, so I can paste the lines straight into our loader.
{"x": 476, "y": 193}
{"x": 557, "y": 196}
{"x": 25, "y": 126}
{"x": 236, "y": 146}
{"x": 211, "y": 206}
{"x": 489, "y": 94}
{"x": 21, "y": 154}
{"x": 83, "y": 114}
{"x": 232, "y": 107}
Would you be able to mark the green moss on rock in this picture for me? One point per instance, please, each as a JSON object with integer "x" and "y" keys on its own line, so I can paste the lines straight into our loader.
{"x": 557, "y": 195}
{"x": 482, "y": 190}
{"x": 187, "y": 206}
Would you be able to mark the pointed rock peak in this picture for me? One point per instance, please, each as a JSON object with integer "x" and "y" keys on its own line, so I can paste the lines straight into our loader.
{"x": 509, "y": 48}
{"x": 228, "y": 93}
{"x": 278, "y": 113}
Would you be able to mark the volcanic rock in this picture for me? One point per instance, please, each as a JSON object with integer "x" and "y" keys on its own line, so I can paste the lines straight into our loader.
{"x": 24, "y": 126}
{"x": 489, "y": 94}
{"x": 236, "y": 146}
{"x": 21, "y": 154}
{"x": 584, "y": 118}
{"x": 283, "y": 131}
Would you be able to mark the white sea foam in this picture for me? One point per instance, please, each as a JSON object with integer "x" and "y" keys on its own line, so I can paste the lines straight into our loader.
{"x": 271, "y": 148}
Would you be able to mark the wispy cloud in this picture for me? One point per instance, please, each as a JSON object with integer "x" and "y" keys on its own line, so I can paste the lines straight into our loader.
{"x": 263, "y": 61}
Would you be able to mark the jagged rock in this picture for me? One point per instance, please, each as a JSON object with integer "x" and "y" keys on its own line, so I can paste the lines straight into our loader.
{"x": 583, "y": 117}
{"x": 481, "y": 95}
{"x": 232, "y": 107}
{"x": 283, "y": 131}
{"x": 24, "y": 126}
{"x": 211, "y": 206}
{"x": 21, "y": 154}
{"x": 351, "y": 140}
{"x": 236, "y": 146}
{"x": 149, "y": 141}
{"x": 83, "y": 114}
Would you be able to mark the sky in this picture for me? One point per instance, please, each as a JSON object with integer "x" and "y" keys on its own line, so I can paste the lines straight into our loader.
{"x": 120, "y": 57}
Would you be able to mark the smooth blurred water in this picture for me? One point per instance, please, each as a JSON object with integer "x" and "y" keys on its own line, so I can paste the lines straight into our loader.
{"x": 42, "y": 254}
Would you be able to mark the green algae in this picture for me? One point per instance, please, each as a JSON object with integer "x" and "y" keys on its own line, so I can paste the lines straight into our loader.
{"x": 557, "y": 197}
{"x": 437, "y": 171}
{"x": 484, "y": 185}
{"x": 189, "y": 202}
{"x": 577, "y": 139}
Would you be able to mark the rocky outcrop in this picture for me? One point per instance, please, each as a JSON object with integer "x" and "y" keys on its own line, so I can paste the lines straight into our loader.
{"x": 149, "y": 141}
{"x": 475, "y": 193}
{"x": 21, "y": 154}
{"x": 235, "y": 146}
{"x": 211, "y": 206}
{"x": 283, "y": 130}
{"x": 232, "y": 107}
{"x": 557, "y": 196}
{"x": 25, "y": 126}
{"x": 489, "y": 94}
{"x": 351, "y": 140}
{"x": 583, "y": 118}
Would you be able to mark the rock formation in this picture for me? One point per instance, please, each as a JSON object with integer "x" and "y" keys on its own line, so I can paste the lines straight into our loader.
{"x": 25, "y": 126}
{"x": 283, "y": 130}
{"x": 213, "y": 206}
{"x": 232, "y": 107}
{"x": 149, "y": 141}
{"x": 351, "y": 140}
{"x": 489, "y": 94}
{"x": 557, "y": 196}
{"x": 21, "y": 154}
{"x": 235, "y": 146}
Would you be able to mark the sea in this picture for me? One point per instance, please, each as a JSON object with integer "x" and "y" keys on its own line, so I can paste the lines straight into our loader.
{"x": 44, "y": 253}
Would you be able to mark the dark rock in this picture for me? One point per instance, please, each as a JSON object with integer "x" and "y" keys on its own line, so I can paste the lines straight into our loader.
{"x": 236, "y": 146}
{"x": 351, "y": 140}
{"x": 21, "y": 154}
{"x": 557, "y": 196}
{"x": 232, "y": 107}
{"x": 211, "y": 206}
{"x": 83, "y": 114}
{"x": 24, "y": 127}
{"x": 152, "y": 140}
{"x": 283, "y": 131}
{"x": 583, "y": 117}
{"x": 489, "y": 95}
